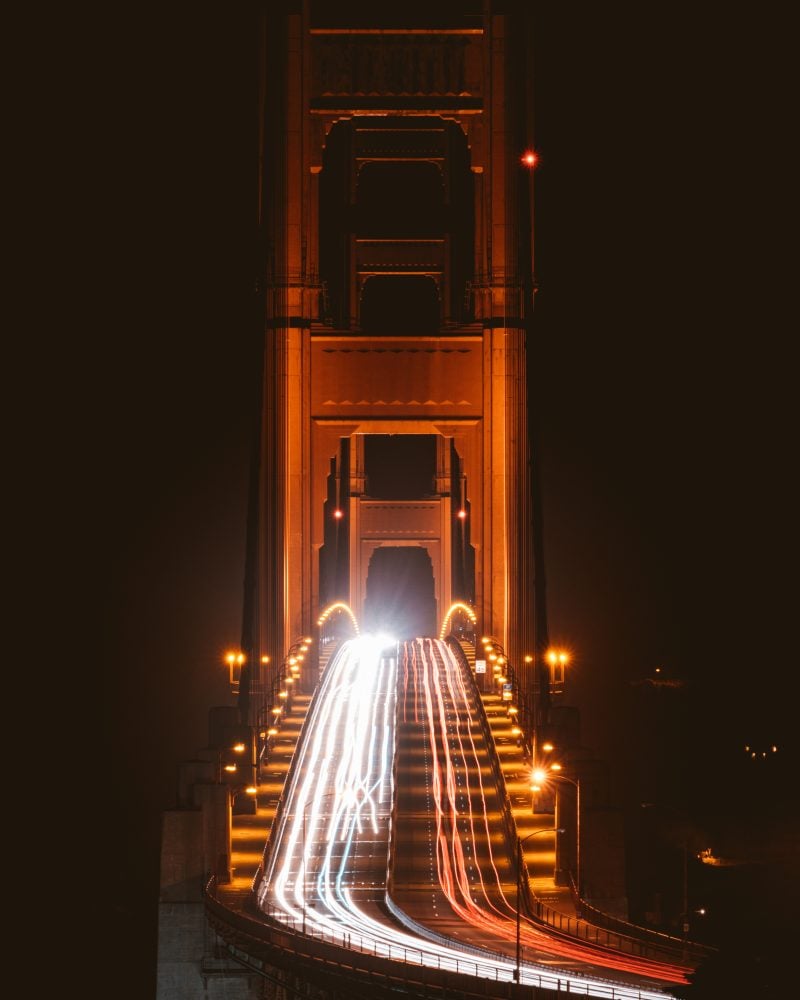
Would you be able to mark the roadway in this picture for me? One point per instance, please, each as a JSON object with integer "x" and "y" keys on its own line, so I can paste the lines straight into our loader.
{"x": 393, "y": 787}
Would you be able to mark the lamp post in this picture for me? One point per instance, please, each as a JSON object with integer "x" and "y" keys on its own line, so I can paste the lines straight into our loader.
{"x": 520, "y": 842}
{"x": 577, "y": 783}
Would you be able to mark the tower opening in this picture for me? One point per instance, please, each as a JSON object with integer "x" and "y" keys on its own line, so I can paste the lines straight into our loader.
{"x": 400, "y": 595}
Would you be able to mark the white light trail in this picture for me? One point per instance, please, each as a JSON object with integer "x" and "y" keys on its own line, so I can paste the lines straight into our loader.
{"x": 327, "y": 870}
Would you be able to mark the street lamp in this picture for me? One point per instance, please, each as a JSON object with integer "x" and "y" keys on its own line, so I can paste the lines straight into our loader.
{"x": 538, "y": 776}
{"x": 520, "y": 842}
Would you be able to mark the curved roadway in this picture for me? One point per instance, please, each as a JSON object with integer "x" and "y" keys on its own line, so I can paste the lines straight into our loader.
{"x": 393, "y": 789}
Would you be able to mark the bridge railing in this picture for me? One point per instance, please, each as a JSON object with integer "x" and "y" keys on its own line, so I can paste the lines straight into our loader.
{"x": 279, "y": 819}
{"x": 675, "y": 947}
{"x": 274, "y": 936}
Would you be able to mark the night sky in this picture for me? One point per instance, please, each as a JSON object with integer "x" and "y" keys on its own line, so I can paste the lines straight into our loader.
{"x": 665, "y": 216}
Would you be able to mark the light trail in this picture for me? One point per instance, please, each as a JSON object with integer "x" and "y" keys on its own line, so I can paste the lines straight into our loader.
{"x": 327, "y": 872}
{"x": 465, "y": 819}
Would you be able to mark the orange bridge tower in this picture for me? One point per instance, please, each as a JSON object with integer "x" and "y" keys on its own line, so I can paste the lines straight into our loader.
{"x": 396, "y": 295}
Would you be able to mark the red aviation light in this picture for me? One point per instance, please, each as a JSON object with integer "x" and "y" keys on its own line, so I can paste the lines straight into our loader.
{"x": 529, "y": 158}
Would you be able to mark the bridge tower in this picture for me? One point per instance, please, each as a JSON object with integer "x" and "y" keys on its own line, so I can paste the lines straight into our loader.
{"x": 396, "y": 295}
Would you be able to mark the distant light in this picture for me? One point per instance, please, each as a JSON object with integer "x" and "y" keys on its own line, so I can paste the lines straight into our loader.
{"x": 529, "y": 659}
{"x": 774, "y": 749}
{"x": 238, "y": 747}
{"x": 307, "y": 640}
{"x": 338, "y": 514}
{"x": 529, "y": 158}
{"x": 548, "y": 746}
{"x": 276, "y": 710}
{"x": 230, "y": 767}
{"x": 272, "y": 731}
{"x": 265, "y": 659}
{"x": 539, "y": 775}
{"x": 555, "y": 767}
{"x": 515, "y": 730}
{"x": 462, "y": 514}
{"x": 251, "y": 790}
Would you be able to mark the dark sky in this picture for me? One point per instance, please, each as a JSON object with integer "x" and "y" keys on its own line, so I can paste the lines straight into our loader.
{"x": 666, "y": 211}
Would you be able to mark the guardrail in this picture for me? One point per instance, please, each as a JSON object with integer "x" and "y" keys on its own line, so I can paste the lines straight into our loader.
{"x": 279, "y": 818}
{"x": 667, "y": 943}
{"x": 279, "y": 941}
